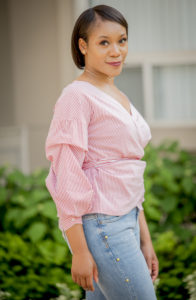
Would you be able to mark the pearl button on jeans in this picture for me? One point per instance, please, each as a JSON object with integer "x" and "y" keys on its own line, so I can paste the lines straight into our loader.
{"x": 114, "y": 242}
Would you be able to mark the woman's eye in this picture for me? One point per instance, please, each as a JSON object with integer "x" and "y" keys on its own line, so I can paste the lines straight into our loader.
{"x": 123, "y": 40}
{"x": 103, "y": 42}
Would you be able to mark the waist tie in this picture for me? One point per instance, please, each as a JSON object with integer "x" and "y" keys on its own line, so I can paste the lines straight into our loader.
{"x": 103, "y": 162}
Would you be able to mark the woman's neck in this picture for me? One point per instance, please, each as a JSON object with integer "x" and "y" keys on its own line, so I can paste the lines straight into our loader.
{"x": 96, "y": 77}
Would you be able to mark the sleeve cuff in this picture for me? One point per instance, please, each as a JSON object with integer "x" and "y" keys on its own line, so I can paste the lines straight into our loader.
{"x": 68, "y": 222}
{"x": 140, "y": 206}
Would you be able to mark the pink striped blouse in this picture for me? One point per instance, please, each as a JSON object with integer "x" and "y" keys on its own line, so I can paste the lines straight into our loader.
{"x": 95, "y": 147}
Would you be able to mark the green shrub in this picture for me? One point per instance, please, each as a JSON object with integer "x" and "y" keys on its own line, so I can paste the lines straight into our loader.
{"x": 169, "y": 206}
{"x": 33, "y": 254}
{"x": 191, "y": 284}
{"x": 35, "y": 260}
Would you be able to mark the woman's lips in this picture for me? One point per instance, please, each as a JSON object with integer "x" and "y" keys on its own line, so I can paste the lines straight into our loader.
{"x": 115, "y": 64}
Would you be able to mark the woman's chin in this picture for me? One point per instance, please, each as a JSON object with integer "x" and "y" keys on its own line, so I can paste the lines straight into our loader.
{"x": 114, "y": 73}
{"x": 117, "y": 73}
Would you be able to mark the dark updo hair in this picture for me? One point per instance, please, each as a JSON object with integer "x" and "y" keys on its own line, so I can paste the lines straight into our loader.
{"x": 87, "y": 19}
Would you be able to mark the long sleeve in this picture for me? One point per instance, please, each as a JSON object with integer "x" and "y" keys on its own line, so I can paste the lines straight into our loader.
{"x": 66, "y": 145}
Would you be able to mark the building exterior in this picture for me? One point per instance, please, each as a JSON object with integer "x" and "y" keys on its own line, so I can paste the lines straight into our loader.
{"x": 159, "y": 75}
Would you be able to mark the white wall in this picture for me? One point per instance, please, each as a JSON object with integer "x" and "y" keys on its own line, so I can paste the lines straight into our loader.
{"x": 37, "y": 66}
{"x": 6, "y": 79}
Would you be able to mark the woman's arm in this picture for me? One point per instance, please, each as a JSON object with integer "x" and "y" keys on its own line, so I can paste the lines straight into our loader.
{"x": 83, "y": 268}
{"x": 66, "y": 146}
{"x": 76, "y": 238}
{"x": 147, "y": 247}
{"x": 145, "y": 237}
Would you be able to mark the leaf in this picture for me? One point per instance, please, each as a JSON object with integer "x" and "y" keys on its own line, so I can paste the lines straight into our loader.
{"x": 3, "y": 195}
{"x": 57, "y": 235}
{"x": 18, "y": 199}
{"x": 54, "y": 253}
{"x": 166, "y": 242}
{"x": 169, "y": 204}
{"x": 48, "y": 209}
{"x": 39, "y": 195}
{"x": 25, "y": 214}
{"x": 152, "y": 212}
{"x": 177, "y": 217}
{"x": 12, "y": 214}
{"x": 188, "y": 184}
{"x": 36, "y": 231}
{"x": 17, "y": 178}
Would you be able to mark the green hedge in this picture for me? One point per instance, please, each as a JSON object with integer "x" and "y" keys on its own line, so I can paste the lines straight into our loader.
{"x": 33, "y": 254}
{"x": 35, "y": 260}
{"x": 170, "y": 210}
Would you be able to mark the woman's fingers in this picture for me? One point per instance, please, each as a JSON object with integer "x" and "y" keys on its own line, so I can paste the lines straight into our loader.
{"x": 83, "y": 270}
{"x": 95, "y": 273}
{"x": 85, "y": 282}
{"x": 89, "y": 282}
{"x": 155, "y": 269}
{"x": 78, "y": 280}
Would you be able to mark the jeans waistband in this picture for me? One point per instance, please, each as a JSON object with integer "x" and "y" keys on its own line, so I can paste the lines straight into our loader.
{"x": 97, "y": 215}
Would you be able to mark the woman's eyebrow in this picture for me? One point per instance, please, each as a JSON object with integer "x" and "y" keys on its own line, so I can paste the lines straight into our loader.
{"x": 105, "y": 36}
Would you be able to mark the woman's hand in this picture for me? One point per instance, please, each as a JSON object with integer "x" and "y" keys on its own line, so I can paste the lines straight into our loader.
{"x": 84, "y": 269}
{"x": 147, "y": 247}
{"x": 151, "y": 259}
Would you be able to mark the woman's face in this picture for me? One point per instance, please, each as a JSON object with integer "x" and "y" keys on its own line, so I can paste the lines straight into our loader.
{"x": 107, "y": 44}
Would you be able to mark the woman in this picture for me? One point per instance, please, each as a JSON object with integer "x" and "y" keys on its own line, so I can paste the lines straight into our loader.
{"x": 95, "y": 144}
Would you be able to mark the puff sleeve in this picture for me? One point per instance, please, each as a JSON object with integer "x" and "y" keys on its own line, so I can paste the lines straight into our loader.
{"x": 66, "y": 145}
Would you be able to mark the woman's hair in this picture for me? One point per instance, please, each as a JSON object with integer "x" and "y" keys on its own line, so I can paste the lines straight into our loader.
{"x": 85, "y": 21}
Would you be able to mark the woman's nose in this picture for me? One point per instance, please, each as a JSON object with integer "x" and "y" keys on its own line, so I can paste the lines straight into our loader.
{"x": 114, "y": 51}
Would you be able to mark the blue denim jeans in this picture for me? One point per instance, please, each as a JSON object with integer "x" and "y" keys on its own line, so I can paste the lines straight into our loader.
{"x": 114, "y": 242}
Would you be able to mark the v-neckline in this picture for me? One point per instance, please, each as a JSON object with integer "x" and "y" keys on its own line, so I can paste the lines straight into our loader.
{"x": 116, "y": 101}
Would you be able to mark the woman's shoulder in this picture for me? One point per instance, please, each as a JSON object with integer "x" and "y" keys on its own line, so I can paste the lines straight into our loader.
{"x": 75, "y": 92}
{"x": 73, "y": 102}
{"x": 70, "y": 93}
{"x": 77, "y": 88}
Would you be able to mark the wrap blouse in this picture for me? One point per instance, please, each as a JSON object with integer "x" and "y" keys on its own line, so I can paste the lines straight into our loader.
{"x": 95, "y": 148}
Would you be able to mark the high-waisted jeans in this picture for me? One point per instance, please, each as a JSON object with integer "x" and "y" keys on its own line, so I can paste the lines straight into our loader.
{"x": 114, "y": 242}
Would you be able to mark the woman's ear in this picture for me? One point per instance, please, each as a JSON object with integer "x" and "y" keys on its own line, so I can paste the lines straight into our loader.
{"x": 82, "y": 46}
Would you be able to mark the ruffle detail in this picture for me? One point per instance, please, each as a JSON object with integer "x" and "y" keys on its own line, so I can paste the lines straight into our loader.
{"x": 72, "y": 132}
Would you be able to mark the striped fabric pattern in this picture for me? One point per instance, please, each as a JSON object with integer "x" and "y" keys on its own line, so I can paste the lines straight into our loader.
{"x": 95, "y": 148}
